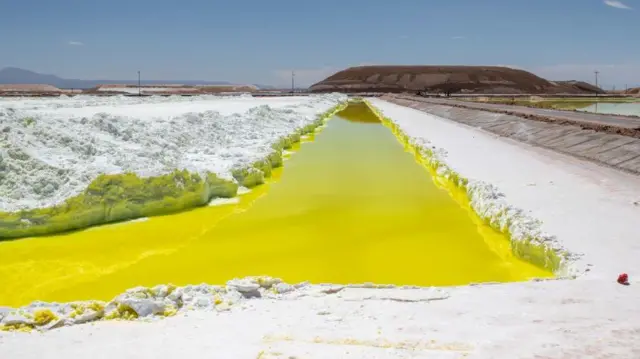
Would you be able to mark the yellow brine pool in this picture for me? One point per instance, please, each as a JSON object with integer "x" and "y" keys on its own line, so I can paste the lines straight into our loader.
{"x": 350, "y": 206}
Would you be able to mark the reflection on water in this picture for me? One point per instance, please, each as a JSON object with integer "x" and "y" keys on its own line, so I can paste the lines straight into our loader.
{"x": 351, "y": 206}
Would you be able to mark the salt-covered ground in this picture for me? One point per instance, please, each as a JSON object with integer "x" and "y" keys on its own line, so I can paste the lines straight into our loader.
{"x": 51, "y": 149}
{"x": 590, "y": 210}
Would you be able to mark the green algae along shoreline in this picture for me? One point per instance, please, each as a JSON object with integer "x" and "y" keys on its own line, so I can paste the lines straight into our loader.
{"x": 126, "y": 196}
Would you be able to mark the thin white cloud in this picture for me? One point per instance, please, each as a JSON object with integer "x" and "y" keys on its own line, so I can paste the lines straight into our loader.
{"x": 617, "y": 4}
{"x": 75, "y": 43}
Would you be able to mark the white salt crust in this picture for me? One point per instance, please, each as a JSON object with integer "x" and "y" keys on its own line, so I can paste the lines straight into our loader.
{"x": 51, "y": 149}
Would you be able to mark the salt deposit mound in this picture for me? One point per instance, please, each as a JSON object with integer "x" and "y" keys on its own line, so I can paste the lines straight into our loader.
{"x": 75, "y": 163}
{"x": 467, "y": 79}
{"x": 51, "y": 150}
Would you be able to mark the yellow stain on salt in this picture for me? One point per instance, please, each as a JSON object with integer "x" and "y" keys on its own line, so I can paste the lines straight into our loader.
{"x": 350, "y": 206}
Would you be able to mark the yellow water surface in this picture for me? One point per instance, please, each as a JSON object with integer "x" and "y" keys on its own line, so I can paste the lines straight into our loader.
{"x": 350, "y": 206}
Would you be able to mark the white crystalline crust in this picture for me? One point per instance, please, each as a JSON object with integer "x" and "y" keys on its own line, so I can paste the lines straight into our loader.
{"x": 51, "y": 149}
{"x": 168, "y": 300}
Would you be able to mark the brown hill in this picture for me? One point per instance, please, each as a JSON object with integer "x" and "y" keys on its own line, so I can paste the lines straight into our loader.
{"x": 633, "y": 91}
{"x": 580, "y": 86}
{"x": 464, "y": 79}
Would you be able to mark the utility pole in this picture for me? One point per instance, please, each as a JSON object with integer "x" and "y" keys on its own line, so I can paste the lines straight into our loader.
{"x": 293, "y": 75}
{"x": 596, "y": 72}
{"x": 138, "y": 82}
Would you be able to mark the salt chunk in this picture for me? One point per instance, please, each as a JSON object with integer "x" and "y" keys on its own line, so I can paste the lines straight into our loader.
{"x": 144, "y": 307}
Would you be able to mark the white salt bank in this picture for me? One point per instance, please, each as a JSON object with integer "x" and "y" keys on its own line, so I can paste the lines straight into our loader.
{"x": 53, "y": 149}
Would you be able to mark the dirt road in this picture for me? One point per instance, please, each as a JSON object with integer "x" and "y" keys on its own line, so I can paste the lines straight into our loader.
{"x": 584, "y": 117}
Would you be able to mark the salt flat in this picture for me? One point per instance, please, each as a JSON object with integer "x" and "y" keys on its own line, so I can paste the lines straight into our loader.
{"x": 590, "y": 210}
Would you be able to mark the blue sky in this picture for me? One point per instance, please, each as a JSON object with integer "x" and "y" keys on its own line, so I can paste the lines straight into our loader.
{"x": 262, "y": 41}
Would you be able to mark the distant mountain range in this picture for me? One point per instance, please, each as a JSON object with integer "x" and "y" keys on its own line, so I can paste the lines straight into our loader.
{"x": 14, "y": 75}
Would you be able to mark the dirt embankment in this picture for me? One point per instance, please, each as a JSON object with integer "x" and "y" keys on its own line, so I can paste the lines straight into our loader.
{"x": 33, "y": 90}
{"x": 444, "y": 79}
{"x": 41, "y": 90}
{"x": 169, "y": 89}
{"x": 611, "y": 129}
{"x": 580, "y": 87}
{"x": 633, "y": 91}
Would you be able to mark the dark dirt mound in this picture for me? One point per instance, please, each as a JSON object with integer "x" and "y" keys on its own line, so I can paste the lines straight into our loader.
{"x": 633, "y": 91}
{"x": 453, "y": 79}
{"x": 580, "y": 86}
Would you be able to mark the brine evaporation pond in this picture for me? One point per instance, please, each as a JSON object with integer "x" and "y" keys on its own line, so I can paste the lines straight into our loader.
{"x": 349, "y": 206}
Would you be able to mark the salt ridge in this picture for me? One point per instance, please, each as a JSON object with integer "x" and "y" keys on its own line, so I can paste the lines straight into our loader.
{"x": 491, "y": 205}
{"x": 144, "y": 303}
{"x": 53, "y": 149}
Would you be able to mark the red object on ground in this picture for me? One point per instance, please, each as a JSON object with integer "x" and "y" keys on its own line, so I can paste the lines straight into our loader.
{"x": 623, "y": 278}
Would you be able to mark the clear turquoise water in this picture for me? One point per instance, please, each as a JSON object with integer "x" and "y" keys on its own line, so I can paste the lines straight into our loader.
{"x": 627, "y": 109}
